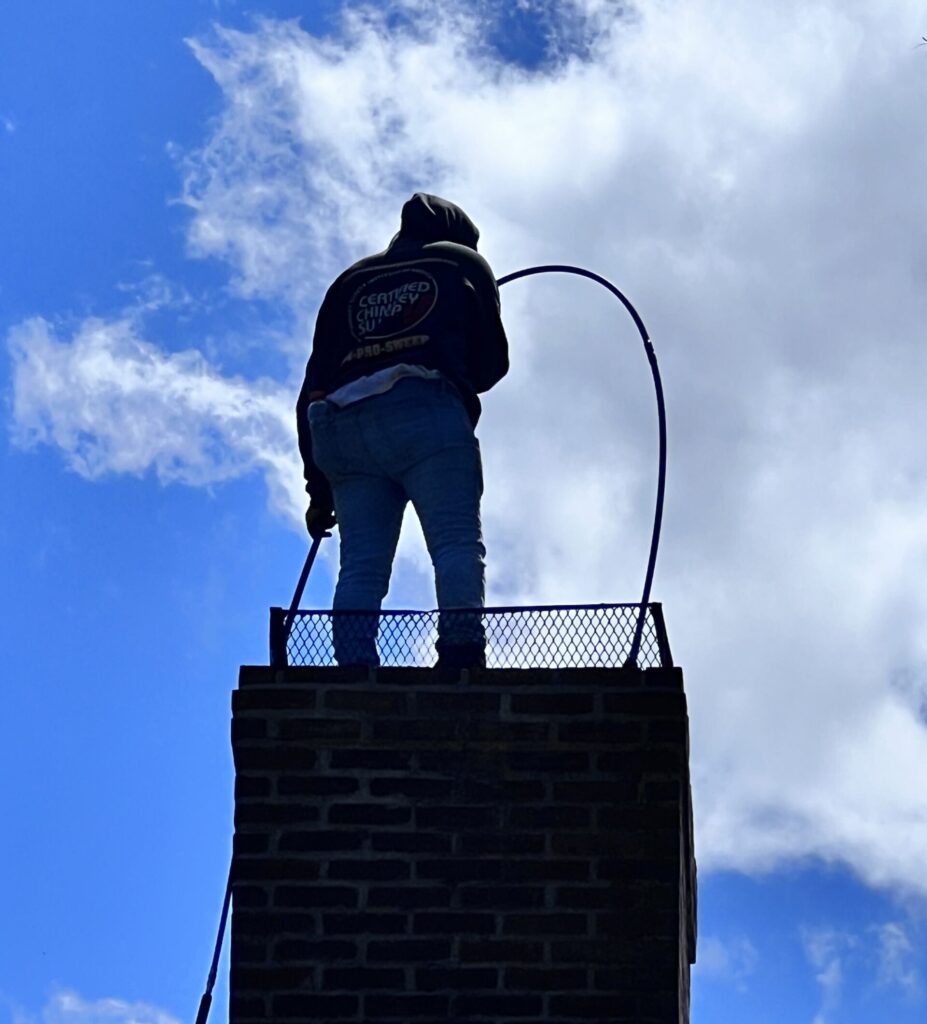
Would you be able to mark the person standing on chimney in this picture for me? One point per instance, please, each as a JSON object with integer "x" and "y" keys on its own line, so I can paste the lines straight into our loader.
{"x": 405, "y": 342}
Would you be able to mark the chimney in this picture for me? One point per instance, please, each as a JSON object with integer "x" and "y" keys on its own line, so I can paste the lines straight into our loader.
{"x": 499, "y": 844}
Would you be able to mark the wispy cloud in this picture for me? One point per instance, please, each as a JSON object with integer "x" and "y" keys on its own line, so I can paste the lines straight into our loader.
{"x": 896, "y": 959}
{"x": 152, "y": 292}
{"x": 733, "y": 960}
{"x": 731, "y": 166}
{"x": 881, "y": 957}
{"x": 70, "y": 1008}
{"x": 826, "y": 950}
{"x": 115, "y": 403}
{"x": 66, "y": 1006}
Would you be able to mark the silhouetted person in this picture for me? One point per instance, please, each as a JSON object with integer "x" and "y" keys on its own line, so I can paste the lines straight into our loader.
{"x": 404, "y": 342}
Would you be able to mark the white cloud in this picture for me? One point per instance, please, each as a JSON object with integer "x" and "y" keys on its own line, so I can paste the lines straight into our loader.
{"x": 752, "y": 176}
{"x": 895, "y": 956}
{"x": 826, "y": 950}
{"x": 152, "y": 292}
{"x": 732, "y": 960}
{"x": 848, "y": 963}
{"x": 114, "y": 403}
{"x": 67, "y": 1007}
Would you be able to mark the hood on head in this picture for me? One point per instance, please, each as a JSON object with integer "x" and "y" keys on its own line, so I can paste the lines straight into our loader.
{"x": 433, "y": 219}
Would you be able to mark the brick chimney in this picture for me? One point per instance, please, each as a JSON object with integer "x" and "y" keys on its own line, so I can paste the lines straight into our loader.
{"x": 501, "y": 845}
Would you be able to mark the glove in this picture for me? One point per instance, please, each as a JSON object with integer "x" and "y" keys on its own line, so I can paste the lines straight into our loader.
{"x": 319, "y": 520}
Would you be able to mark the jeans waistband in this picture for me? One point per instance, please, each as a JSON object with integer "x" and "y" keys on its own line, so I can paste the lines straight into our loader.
{"x": 403, "y": 382}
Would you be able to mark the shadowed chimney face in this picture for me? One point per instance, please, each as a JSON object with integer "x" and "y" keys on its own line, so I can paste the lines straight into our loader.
{"x": 505, "y": 845}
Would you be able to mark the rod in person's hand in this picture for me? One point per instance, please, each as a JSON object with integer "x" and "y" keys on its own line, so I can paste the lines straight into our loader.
{"x": 301, "y": 583}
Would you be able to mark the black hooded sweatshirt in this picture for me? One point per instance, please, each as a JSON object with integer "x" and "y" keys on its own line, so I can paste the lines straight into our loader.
{"x": 429, "y": 299}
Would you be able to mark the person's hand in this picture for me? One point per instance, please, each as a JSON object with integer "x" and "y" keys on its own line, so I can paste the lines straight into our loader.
{"x": 319, "y": 520}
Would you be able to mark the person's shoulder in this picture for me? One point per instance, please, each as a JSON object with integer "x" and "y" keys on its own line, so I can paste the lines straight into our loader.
{"x": 466, "y": 258}
{"x": 408, "y": 252}
{"x": 339, "y": 291}
{"x": 371, "y": 262}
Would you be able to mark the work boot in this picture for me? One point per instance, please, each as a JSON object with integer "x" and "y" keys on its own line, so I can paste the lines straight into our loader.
{"x": 456, "y": 656}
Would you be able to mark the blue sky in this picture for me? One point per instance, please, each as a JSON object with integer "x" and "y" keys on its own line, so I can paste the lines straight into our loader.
{"x": 179, "y": 181}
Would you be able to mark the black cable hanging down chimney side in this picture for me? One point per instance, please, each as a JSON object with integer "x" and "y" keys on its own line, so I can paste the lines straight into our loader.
{"x": 280, "y": 642}
{"x": 206, "y": 1001}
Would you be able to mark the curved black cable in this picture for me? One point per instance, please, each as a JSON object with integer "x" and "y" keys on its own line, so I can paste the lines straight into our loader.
{"x": 557, "y": 268}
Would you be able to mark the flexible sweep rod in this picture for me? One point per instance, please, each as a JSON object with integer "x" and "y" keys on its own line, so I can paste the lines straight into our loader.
{"x": 300, "y": 587}
{"x": 206, "y": 1000}
{"x": 557, "y": 268}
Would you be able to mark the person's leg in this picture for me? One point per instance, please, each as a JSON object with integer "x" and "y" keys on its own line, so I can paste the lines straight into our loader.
{"x": 445, "y": 488}
{"x": 368, "y": 507}
{"x": 369, "y": 512}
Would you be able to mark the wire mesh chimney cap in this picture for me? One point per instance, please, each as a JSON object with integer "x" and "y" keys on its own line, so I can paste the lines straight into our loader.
{"x": 533, "y": 636}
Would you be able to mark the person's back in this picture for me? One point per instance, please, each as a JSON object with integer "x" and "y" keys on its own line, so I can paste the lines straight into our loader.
{"x": 405, "y": 341}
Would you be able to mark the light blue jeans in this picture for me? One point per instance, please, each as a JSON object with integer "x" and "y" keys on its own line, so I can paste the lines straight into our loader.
{"x": 412, "y": 443}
